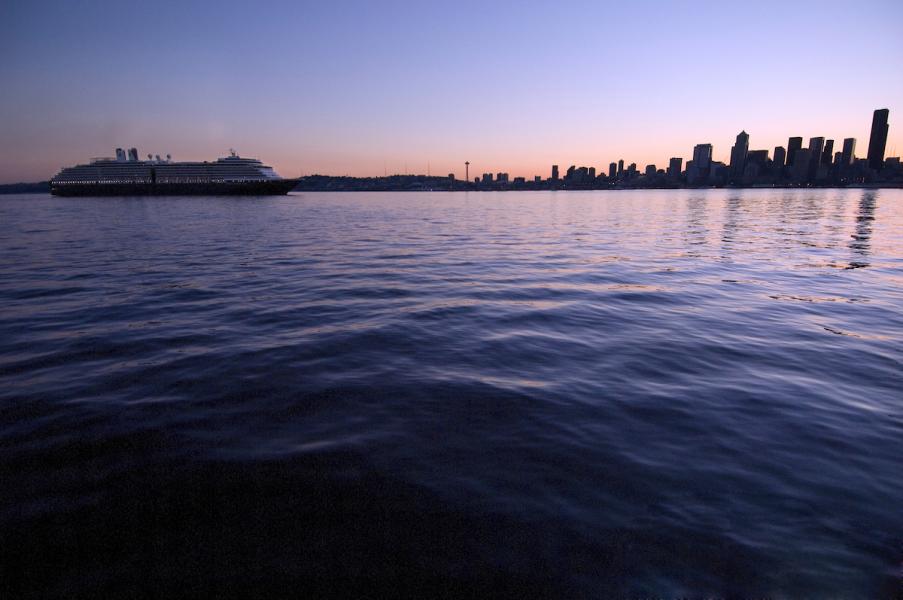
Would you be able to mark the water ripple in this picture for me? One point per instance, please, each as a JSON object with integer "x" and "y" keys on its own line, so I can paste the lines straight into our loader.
{"x": 619, "y": 394}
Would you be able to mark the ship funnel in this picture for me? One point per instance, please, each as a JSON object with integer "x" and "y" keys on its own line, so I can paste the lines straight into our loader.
{"x": 120, "y": 155}
{"x": 133, "y": 154}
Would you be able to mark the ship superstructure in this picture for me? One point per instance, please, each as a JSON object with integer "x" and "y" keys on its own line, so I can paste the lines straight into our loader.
{"x": 125, "y": 175}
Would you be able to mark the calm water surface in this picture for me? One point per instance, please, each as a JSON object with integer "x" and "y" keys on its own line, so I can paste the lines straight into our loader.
{"x": 575, "y": 394}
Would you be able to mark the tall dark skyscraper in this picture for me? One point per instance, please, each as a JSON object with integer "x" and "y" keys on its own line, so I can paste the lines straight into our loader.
{"x": 612, "y": 170}
{"x": 878, "y": 139}
{"x": 674, "y": 167}
{"x": 849, "y": 152}
{"x": 779, "y": 156}
{"x": 800, "y": 170}
{"x": 620, "y": 167}
{"x": 554, "y": 172}
{"x": 816, "y": 148}
{"x": 738, "y": 156}
{"x": 702, "y": 157}
{"x": 827, "y": 155}
{"x": 698, "y": 169}
{"x": 793, "y": 144}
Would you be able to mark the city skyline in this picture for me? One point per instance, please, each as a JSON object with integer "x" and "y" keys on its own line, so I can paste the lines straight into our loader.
{"x": 358, "y": 90}
{"x": 702, "y": 166}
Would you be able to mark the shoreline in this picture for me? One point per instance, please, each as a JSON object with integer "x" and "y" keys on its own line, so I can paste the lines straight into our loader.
{"x": 360, "y": 185}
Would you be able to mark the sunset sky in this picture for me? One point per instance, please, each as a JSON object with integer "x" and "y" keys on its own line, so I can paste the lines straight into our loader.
{"x": 363, "y": 87}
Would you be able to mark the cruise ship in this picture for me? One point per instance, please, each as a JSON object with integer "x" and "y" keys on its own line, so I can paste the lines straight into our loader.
{"x": 125, "y": 175}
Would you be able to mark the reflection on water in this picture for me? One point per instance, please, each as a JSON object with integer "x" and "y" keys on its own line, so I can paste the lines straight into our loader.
{"x": 859, "y": 242}
{"x": 588, "y": 394}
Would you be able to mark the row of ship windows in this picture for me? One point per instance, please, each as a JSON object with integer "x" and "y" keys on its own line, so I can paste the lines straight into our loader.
{"x": 159, "y": 180}
{"x": 168, "y": 172}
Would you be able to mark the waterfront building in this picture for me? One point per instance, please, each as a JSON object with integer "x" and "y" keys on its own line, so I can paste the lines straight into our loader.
{"x": 800, "y": 171}
{"x": 828, "y": 153}
{"x": 612, "y": 170}
{"x": 892, "y": 166}
{"x": 701, "y": 169}
{"x": 758, "y": 157}
{"x": 693, "y": 176}
{"x": 750, "y": 173}
{"x": 738, "y": 156}
{"x": 780, "y": 156}
{"x": 650, "y": 170}
{"x": 620, "y": 168}
{"x": 702, "y": 157}
{"x": 577, "y": 175}
{"x": 878, "y": 138}
{"x": 849, "y": 152}
{"x": 816, "y": 148}
{"x": 794, "y": 144}
{"x": 718, "y": 173}
{"x": 554, "y": 172}
{"x": 674, "y": 167}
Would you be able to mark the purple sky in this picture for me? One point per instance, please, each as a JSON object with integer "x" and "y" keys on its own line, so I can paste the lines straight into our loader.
{"x": 363, "y": 88}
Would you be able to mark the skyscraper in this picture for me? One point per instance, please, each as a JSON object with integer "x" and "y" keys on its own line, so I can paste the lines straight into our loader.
{"x": 674, "y": 167}
{"x": 800, "y": 171}
{"x": 702, "y": 157}
{"x": 738, "y": 156}
{"x": 779, "y": 156}
{"x": 793, "y": 144}
{"x": 612, "y": 170}
{"x": 816, "y": 148}
{"x": 620, "y": 167}
{"x": 827, "y": 156}
{"x": 849, "y": 152}
{"x": 878, "y": 139}
{"x": 698, "y": 169}
{"x": 554, "y": 172}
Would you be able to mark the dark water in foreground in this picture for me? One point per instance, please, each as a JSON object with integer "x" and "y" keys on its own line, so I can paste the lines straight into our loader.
{"x": 549, "y": 394}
